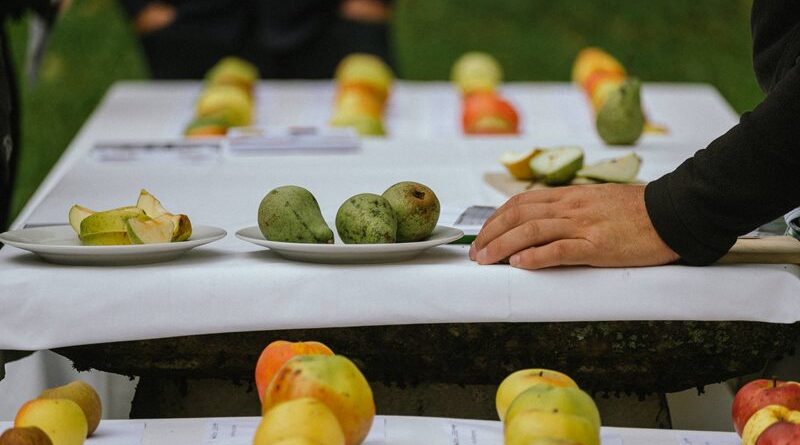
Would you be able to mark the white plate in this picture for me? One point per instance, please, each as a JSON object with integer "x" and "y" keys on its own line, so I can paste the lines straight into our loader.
{"x": 351, "y": 253}
{"x": 60, "y": 244}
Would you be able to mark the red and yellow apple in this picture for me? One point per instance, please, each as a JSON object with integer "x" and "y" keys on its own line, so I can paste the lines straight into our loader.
{"x": 780, "y": 433}
{"x": 760, "y": 393}
{"x": 333, "y": 380}
{"x": 277, "y": 353}
{"x": 593, "y": 59}
{"x": 766, "y": 418}
{"x": 519, "y": 381}
{"x": 61, "y": 419}
{"x": 356, "y": 107}
{"x": 84, "y": 395}
{"x": 488, "y": 113}
{"x": 305, "y": 418}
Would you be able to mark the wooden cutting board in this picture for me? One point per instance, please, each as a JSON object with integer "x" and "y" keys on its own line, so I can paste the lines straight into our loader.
{"x": 767, "y": 250}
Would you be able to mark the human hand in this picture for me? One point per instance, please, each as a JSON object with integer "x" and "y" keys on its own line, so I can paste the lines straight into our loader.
{"x": 597, "y": 225}
{"x": 153, "y": 17}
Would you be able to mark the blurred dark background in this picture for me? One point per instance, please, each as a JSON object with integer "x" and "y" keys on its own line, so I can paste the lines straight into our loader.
{"x": 676, "y": 41}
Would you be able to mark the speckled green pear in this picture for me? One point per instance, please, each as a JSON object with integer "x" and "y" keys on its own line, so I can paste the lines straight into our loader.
{"x": 416, "y": 208}
{"x": 366, "y": 219}
{"x": 291, "y": 214}
{"x": 620, "y": 121}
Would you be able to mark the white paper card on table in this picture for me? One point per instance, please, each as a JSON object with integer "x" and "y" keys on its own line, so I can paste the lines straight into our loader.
{"x": 281, "y": 140}
{"x": 241, "y": 431}
{"x": 474, "y": 433}
{"x": 610, "y": 438}
{"x": 109, "y": 433}
{"x": 469, "y": 219}
{"x": 179, "y": 151}
{"x": 707, "y": 438}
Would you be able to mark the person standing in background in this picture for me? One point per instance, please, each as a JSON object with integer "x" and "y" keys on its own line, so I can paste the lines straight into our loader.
{"x": 9, "y": 98}
{"x": 303, "y": 39}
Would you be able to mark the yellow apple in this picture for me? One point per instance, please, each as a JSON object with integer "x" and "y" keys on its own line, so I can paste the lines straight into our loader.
{"x": 519, "y": 381}
{"x": 592, "y": 59}
{"x": 84, "y": 395}
{"x": 476, "y": 71}
{"x": 305, "y": 418}
{"x": 531, "y": 425}
{"x": 365, "y": 71}
{"x": 568, "y": 400}
{"x": 226, "y": 100}
{"x": 61, "y": 419}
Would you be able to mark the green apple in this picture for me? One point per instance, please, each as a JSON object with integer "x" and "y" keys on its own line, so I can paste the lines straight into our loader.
{"x": 558, "y": 165}
{"x": 146, "y": 230}
{"x": 76, "y": 215}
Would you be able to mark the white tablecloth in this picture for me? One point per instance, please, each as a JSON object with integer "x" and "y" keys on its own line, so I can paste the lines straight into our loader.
{"x": 234, "y": 286}
{"x": 386, "y": 430}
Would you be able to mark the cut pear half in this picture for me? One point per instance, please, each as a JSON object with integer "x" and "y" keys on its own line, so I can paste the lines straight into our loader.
{"x": 519, "y": 164}
{"x": 76, "y": 215}
{"x": 107, "y": 221}
{"x": 149, "y": 231}
{"x": 623, "y": 169}
{"x": 557, "y": 166}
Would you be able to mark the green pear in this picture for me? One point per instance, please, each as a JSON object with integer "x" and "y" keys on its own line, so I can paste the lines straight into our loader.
{"x": 620, "y": 121}
{"x": 291, "y": 214}
{"x": 416, "y": 208}
{"x": 29, "y": 435}
{"x": 366, "y": 219}
{"x": 84, "y": 395}
{"x": 106, "y": 239}
{"x": 557, "y": 166}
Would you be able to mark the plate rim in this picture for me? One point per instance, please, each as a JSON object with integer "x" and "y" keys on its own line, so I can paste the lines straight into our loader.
{"x": 217, "y": 234}
{"x": 351, "y": 248}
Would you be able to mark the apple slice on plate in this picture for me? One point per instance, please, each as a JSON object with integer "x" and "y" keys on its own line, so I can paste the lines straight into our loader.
{"x": 623, "y": 169}
{"x": 558, "y": 165}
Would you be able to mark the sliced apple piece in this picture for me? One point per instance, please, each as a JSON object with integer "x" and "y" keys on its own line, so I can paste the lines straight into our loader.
{"x": 149, "y": 231}
{"x": 150, "y": 205}
{"x": 623, "y": 169}
{"x": 76, "y": 215}
{"x": 182, "y": 226}
{"x": 108, "y": 221}
{"x": 106, "y": 239}
{"x": 519, "y": 164}
{"x": 558, "y": 165}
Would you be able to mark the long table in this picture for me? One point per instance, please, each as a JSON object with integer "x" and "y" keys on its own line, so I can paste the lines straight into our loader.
{"x": 386, "y": 430}
{"x": 232, "y": 286}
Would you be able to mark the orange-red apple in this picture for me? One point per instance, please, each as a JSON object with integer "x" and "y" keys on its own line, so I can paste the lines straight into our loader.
{"x": 277, "y": 353}
{"x": 760, "y": 393}
{"x": 488, "y": 113}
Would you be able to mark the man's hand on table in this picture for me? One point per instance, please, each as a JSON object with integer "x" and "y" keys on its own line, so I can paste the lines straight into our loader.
{"x": 597, "y": 225}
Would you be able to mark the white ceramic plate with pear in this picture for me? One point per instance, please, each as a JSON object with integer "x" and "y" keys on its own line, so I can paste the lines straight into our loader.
{"x": 340, "y": 253}
{"x": 60, "y": 245}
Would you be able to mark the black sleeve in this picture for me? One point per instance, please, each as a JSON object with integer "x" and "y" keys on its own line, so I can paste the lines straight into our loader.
{"x": 745, "y": 178}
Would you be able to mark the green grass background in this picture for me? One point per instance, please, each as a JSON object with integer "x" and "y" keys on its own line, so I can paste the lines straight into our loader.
{"x": 677, "y": 40}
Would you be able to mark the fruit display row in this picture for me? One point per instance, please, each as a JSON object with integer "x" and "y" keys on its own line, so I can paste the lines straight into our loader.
{"x": 614, "y": 96}
{"x": 309, "y": 396}
{"x": 363, "y": 85}
{"x": 227, "y": 99}
{"x": 564, "y": 165}
{"x": 767, "y": 412}
{"x": 541, "y": 406}
{"x": 65, "y": 415}
{"x": 484, "y": 111}
{"x": 405, "y": 212}
{"x": 148, "y": 222}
